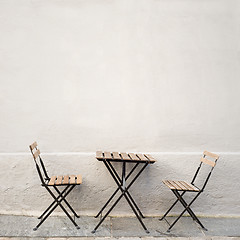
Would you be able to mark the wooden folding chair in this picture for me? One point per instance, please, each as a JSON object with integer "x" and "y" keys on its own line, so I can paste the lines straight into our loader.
{"x": 182, "y": 186}
{"x": 69, "y": 181}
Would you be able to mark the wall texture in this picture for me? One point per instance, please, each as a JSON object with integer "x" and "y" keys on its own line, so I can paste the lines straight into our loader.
{"x": 157, "y": 76}
{"x": 22, "y": 194}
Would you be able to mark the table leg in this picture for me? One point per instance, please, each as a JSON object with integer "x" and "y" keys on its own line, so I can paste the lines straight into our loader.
{"x": 110, "y": 199}
{"x": 124, "y": 193}
{"x": 122, "y": 182}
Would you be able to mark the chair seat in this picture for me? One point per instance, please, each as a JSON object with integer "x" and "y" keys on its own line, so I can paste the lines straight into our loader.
{"x": 180, "y": 185}
{"x": 65, "y": 180}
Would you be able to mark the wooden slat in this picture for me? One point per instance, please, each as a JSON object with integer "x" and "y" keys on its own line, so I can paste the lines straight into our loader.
{"x": 66, "y": 179}
{"x": 116, "y": 155}
{"x": 150, "y": 158}
{"x": 209, "y": 154}
{"x": 59, "y": 180}
{"x": 79, "y": 179}
{"x": 125, "y": 156}
{"x": 133, "y": 156}
{"x": 190, "y": 186}
{"x": 175, "y": 185}
{"x": 194, "y": 188}
{"x": 32, "y": 146}
{"x": 99, "y": 155}
{"x": 166, "y": 182}
{"x": 36, "y": 154}
{"x": 72, "y": 179}
{"x": 179, "y": 183}
{"x": 52, "y": 181}
{"x": 107, "y": 155}
{"x": 209, "y": 162}
{"x": 142, "y": 157}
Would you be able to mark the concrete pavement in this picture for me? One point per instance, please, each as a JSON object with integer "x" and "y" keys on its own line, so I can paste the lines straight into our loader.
{"x": 60, "y": 228}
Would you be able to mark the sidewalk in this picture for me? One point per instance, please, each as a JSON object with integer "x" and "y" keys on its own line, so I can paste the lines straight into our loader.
{"x": 60, "y": 228}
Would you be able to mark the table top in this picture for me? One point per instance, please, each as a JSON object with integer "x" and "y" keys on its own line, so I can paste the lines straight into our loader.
{"x": 124, "y": 157}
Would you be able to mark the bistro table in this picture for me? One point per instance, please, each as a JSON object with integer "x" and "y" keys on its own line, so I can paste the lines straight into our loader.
{"x": 125, "y": 158}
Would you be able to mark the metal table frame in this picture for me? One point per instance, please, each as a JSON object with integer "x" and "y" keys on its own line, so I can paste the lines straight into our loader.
{"x": 121, "y": 181}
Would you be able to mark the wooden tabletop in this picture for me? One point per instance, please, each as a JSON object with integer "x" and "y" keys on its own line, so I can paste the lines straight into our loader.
{"x": 124, "y": 157}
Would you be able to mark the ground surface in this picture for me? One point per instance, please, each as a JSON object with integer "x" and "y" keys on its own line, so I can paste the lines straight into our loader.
{"x": 60, "y": 228}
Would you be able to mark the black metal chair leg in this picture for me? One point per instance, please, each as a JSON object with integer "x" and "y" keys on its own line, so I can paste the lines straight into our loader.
{"x": 176, "y": 220}
{"x": 47, "y": 210}
{"x": 191, "y": 213}
{"x": 46, "y": 216}
{"x": 58, "y": 203}
{"x": 170, "y": 208}
{"x": 183, "y": 202}
{"x": 186, "y": 209}
{"x": 55, "y": 200}
{"x": 50, "y": 206}
{"x": 75, "y": 214}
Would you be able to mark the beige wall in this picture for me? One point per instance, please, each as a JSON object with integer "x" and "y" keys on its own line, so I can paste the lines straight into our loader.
{"x": 158, "y": 76}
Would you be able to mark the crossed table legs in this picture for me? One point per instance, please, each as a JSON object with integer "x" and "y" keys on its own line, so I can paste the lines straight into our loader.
{"x": 121, "y": 183}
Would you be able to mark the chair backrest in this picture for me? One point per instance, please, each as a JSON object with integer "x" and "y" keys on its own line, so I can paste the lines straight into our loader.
{"x": 210, "y": 161}
{"x": 37, "y": 158}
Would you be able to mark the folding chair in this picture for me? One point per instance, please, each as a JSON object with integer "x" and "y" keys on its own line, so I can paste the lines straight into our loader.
{"x": 182, "y": 186}
{"x": 69, "y": 181}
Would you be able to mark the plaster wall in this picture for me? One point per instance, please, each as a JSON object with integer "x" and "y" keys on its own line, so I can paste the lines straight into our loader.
{"x": 23, "y": 195}
{"x": 153, "y": 76}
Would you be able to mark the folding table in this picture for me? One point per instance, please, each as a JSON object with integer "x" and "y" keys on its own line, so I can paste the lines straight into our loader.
{"x": 121, "y": 179}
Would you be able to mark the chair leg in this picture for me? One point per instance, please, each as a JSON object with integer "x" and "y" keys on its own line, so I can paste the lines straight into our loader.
{"x": 50, "y": 206}
{"x": 183, "y": 202}
{"x": 175, "y": 221}
{"x": 191, "y": 213}
{"x": 58, "y": 203}
{"x": 186, "y": 208}
{"x": 70, "y": 207}
{"x": 75, "y": 214}
{"x": 50, "y": 209}
{"x": 170, "y": 208}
